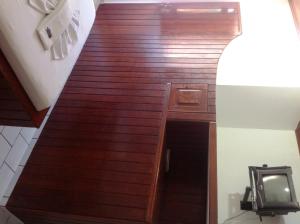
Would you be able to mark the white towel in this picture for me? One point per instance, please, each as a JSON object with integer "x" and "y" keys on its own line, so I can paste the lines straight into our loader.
{"x": 58, "y": 31}
{"x": 44, "y": 6}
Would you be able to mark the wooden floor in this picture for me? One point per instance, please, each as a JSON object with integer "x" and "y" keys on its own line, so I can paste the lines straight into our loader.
{"x": 96, "y": 155}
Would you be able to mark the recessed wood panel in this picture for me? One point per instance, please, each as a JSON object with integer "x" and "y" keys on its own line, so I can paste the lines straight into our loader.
{"x": 189, "y": 98}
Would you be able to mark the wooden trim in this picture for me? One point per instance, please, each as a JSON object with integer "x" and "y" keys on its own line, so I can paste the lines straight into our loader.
{"x": 30, "y": 216}
{"x": 295, "y": 7}
{"x": 8, "y": 74}
{"x": 152, "y": 211}
{"x": 212, "y": 175}
{"x": 190, "y": 116}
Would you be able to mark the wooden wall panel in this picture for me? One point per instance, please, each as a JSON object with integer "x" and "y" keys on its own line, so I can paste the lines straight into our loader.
{"x": 100, "y": 152}
{"x": 152, "y": 214}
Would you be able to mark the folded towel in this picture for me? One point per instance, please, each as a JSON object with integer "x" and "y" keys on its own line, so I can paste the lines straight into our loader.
{"x": 59, "y": 29}
{"x": 67, "y": 40}
{"x": 44, "y": 6}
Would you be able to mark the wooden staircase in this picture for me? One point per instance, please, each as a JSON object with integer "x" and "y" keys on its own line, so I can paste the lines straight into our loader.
{"x": 100, "y": 158}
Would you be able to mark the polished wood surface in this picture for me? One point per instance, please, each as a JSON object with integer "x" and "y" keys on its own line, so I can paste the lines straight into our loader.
{"x": 189, "y": 98}
{"x": 99, "y": 156}
{"x": 212, "y": 175}
{"x": 16, "y": 109}
{"x": 154, "y": 196}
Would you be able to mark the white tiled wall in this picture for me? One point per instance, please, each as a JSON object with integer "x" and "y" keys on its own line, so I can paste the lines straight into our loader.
{"x": 14, "y": 142}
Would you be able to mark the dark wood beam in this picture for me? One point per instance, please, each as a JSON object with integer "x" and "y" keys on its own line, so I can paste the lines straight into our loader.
{"x": 212, "y": 175}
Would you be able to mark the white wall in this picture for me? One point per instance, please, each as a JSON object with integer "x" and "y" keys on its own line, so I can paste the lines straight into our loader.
{"x": 268, "y": 51}
{"x": 297, "y": 4}
{"x": 97, "y": 3}
{"x": 258, "y": 81}
{"x": 240, "y": 148}
{"x": 258, "y": 89}
{"x": 258, "y": 107}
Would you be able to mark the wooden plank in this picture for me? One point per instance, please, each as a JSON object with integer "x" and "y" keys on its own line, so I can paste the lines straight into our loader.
{"x": 161, "y": 42}
{"x": 212, "y": 174}
{"x": 35, "y": 217}
{"x": 97, "y": 54}
{"x": 106, "y": 120}
{"x": 189, "y": 116}
{"x": 102, "y": 128}
{"x": 216, "y": 50}
{"x": 153, "y": 205}
{"x": 73, "y": 173}
{"x": 156, "y": 46}
{"x": 54, "y": 154}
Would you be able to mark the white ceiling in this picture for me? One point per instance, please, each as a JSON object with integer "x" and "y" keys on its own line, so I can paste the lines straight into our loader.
{"x": 268, "y": 51}
{"x": 258, "y": 78}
